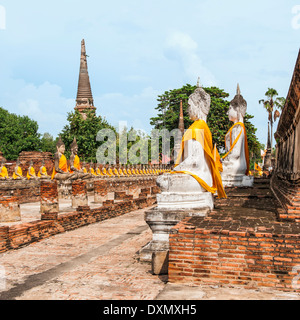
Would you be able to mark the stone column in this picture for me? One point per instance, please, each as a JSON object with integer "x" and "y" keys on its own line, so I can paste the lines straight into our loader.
{"x": 79, "y": 194}
{"x": 9, "y": 209}
{"x": 100, "y": 191}
{"x": 49, "y": 204}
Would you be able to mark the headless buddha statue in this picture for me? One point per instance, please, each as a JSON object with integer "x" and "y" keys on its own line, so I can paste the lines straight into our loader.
{"x": 75, "y": 166}
{"x": 60, "y": 170}
{"x": 3, "y": 170}
{"x": 31, "y": 172}
{"x": 18, "y": 173}
{"x": 42, "y": 174}
{"x": 92, "y": 170}
{"x": 196, "y": 177}
{"x": 236, "y": 160}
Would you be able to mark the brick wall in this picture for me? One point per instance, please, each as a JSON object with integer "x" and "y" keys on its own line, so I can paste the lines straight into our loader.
{"x": 24, "y": 234}
{"x": 216, "y": 251}
{"x": 26, "y": 191}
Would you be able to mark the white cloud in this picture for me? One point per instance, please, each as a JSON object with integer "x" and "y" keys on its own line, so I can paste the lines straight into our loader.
{"x": 135, "y": 109}
{"x": 181, "y": 47}
{"x": 44, "y": 104}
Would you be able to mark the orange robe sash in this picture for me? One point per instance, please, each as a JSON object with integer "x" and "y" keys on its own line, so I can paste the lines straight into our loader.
{"x": 200, "y": 132}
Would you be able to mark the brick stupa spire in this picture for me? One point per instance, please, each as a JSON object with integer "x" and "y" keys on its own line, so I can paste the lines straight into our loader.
{"x": 181, "y": 119}
{"x": 84, "y": 100}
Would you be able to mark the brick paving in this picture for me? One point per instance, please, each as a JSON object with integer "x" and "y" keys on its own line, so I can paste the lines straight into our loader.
{"x": 99, "y": 261}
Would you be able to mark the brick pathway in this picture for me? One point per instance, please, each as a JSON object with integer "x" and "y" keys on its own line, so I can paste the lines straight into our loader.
{"x": 93, "y": 262}
{"x": 99, "y": 262}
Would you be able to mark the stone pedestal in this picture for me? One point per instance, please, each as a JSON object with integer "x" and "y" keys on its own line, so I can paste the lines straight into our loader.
{"x": 79, "y": 194}
{"x": 238, "y": 180}
{"x": 183, "y": 192}
{"x": 9, "y": 209}
{"x": 161, "y": 221}
{"x": 49, "y": 204}
{"x": 100, "y": 191}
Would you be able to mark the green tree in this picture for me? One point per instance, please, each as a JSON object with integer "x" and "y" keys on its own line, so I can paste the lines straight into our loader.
{"x": 272, "y": 104}
{"x": 168, "y": 116}
{"x": 85, "y": 132}
{"x": 48, "y": 143}
{"x": 17, "y": 133}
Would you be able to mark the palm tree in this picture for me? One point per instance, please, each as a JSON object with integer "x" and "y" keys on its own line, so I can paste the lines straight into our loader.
{"x": 272, "y": 104}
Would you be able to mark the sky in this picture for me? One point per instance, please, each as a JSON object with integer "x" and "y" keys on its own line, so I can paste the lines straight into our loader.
{"x": 138, "y": 50}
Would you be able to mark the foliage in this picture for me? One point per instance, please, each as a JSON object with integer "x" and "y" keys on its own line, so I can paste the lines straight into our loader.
{"x": 168, "y": 116}
{"x": 17, "y": 133}
{"x": 273, "y": 104}
{"x": 48, "y": 143}
{"x": 85, "y": 131}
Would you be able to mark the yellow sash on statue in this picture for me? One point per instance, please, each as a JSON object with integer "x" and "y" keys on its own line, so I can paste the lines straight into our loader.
{"x": 19, "y": 171}
{"x": 76, "y": 164}
{"x": 44, "y": 170}
{"x": 200, "y": 132}
{"x": 4, "y": 172}
{"x": 232, "y": 145}
{"x": 32, "y": 171}
{"x": 93, "y": 172}
{"x": 217, "y": 159}
{"x": 63, "y": 165}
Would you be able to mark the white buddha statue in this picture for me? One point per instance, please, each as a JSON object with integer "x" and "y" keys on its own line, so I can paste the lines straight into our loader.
{"x": 196, "y": 178}
{"x": 236, "y": 160}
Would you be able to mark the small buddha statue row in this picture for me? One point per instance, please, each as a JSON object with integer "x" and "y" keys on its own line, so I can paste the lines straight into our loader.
{"x": 126, "y": 170}
{"x": 77, "y": 170}
{"x": 18, "y": 172}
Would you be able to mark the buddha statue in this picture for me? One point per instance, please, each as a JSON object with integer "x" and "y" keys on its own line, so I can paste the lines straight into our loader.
{"x": 60, "y": 170}
{"x": 3, "y": 170}
{"x": 98, "y": 171}
{"x": 236, "y": 160}
{"x": 31, "y": 172}
{"x": 75, "y": 166}
{"x": 196, "y": 177}
{"x": 42, "y": 174}
{"x": 92, "y": 170}
{"x": 18, "y": 173}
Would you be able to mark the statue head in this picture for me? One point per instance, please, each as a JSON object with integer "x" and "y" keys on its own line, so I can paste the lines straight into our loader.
{"x": 31, "y": 163}
{"x": 74, "y": 146}
{"x": 238, "y": 107}
{"x": 199, "y": 104}
{"x": 60, "y": 146}
{"x": 43, "y": 162}
{"x": 3, "y": 162}
{"x": 18, "y": 162}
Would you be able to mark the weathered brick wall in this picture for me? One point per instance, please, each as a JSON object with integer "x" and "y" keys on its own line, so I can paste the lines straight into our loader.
{"x": 224, "y": 253}
{"x": 24, "y": 234}
{"x": 26, "y": 191}
{"x": 286, "y": 178}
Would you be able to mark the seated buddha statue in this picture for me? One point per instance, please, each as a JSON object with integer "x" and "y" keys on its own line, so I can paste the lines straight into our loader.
{"x": 236, "y": 160}
{"x": 42, "y": 174}
{"x": 18, "y": 173}
{"x": 60, "y": 170}
{"x": 75, "y": 166}
{"x": 92, "y": 170}
{"x": 31, "y": 172}
{"x": 3, "y": 170}
{"x": 195, "y": 178}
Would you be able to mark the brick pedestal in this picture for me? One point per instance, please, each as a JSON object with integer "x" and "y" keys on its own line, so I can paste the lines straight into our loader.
{"x": 79, "y": 194}
{"x": 100, "y": 191}
{"x": 9, "y": 209}
{"x": 49, "y": 205}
